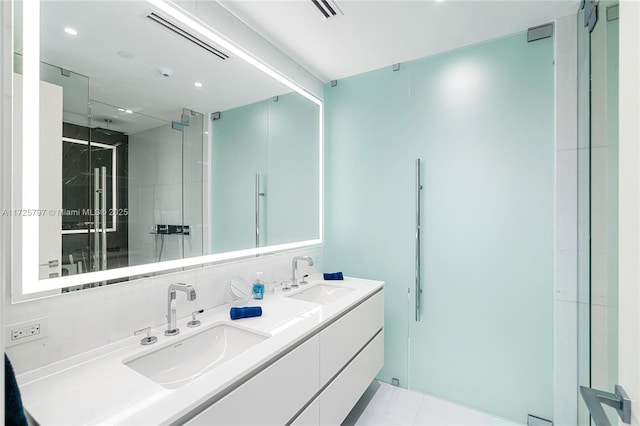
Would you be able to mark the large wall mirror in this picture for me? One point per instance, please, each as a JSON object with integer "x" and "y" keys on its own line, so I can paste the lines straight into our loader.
{"x": 145, "y": 142}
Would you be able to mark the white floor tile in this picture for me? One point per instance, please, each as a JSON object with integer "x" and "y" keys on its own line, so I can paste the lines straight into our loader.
{"x": 403, "y": 406}
{"x": 368, "y": 419}
{"x": 391, "y": 405}
{"x": 381, "y": 400}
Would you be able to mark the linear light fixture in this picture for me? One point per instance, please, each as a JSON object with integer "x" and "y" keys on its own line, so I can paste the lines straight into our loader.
{"x": 111, "y": 274}
{"x": 167, "y": 24}
{"x": 31, "y": 145}
{"x": 327, "y": 8}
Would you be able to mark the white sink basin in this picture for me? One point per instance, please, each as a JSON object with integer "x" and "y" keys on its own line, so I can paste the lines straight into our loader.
{"x": 322, "y": 294}
{"x": 191, "y": 357}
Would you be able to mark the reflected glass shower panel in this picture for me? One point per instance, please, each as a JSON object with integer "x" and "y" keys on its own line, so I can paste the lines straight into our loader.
{"x": 193, "y": 180}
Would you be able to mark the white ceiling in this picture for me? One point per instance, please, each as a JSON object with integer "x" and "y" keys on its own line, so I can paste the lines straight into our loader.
{"x": 371, "y": 34}
{"x": 108, "y": 27}
{"x": 376, "y": 33}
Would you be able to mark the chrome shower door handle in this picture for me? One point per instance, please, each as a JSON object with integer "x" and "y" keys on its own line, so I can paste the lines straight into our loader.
{"x": 418, "y": 259}
{"x": 619, "y": 400}
{"x": 257, "y": 196}
{"x": 103, "y": 214}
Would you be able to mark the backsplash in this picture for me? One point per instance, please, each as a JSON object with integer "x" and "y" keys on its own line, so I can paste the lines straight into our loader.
{"x": 85, "y": 320}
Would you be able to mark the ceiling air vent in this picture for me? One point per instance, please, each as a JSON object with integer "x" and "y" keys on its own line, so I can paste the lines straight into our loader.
{"x": 164, "y": 22}
{"x": 328, "y": 8}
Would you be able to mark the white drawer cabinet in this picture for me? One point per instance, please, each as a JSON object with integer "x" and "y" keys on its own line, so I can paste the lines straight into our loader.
{"x": 273, "y": 396}
{"x": 328, "y": 374}
{"x": 310, "y": 416}
{"x": 337, "y": 400}
{"x": 344, "y": 338}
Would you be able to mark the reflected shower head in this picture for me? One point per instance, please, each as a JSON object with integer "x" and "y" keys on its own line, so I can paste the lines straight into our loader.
{"x": 108, "y": 131}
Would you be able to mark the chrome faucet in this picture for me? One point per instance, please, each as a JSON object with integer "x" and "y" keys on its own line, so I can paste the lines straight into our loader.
{"x": 172, "y": 330}
{"x": 294, "y": 266}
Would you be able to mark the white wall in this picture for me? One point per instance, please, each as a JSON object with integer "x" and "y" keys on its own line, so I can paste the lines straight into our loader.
{"x": 629, "y": 219}
{"x": 6, "y": 47}
{"x": 84, "y": 320}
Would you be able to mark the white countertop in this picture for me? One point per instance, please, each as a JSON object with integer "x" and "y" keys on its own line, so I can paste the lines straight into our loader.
{"x": 97, "y": 388}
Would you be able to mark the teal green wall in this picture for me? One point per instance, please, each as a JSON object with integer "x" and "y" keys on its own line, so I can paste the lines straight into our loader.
{"x": 481, "y": 120}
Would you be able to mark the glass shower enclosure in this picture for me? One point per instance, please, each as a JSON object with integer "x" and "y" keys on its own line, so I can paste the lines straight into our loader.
{"x": 477, "y": 328}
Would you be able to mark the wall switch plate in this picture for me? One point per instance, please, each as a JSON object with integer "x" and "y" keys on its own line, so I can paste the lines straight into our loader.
{"x": 26, "y": 331}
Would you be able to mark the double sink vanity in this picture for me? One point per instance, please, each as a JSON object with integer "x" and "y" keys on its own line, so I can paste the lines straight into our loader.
{"x": 305, "y": 361}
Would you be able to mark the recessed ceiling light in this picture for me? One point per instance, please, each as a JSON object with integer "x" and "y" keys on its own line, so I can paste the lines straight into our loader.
{"x": 70, "y": 31}
{"x": 165, "y": 72}
{"x": 197, "y": 84}
{"x": 128, "y": 111}
{"x": 126, "y": 55}
{"x": 121, "y": 109}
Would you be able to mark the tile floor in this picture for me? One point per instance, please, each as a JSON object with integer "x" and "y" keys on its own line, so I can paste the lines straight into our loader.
{"x": 383, "y": 404}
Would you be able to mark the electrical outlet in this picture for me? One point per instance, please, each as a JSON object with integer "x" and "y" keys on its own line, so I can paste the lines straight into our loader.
{"x": 17, "y": 334}
{"x": 26, "y": 331}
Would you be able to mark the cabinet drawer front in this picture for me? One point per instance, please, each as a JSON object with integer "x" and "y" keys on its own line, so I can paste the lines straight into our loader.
{"x": 273, "y": 396}
{"x": 343, "y": 339}
{"x": 337, "y": 400}
{"x": 310, "y": 416}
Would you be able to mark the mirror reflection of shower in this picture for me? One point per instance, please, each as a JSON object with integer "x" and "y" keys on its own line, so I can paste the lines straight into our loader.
{"x": 148, "y": 207}
{"x": 166, "y": 179}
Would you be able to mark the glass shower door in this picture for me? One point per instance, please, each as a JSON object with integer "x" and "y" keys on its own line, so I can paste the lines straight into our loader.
{"x": 102, "y": 202}
{"x": 193, "y": 237}
{"x": 89, "y": 203}
{"x": 599, "y": 323}
{"x": 482, "y": 123}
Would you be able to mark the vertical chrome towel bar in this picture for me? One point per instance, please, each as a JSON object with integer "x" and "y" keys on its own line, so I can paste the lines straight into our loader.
{"x": 418, "y": 289}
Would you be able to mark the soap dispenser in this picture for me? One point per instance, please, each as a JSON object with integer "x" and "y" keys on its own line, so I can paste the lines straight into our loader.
{"x": 258, "y": 287}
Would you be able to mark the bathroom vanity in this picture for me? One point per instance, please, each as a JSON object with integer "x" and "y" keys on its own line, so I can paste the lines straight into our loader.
{"x": 305, "y": 361}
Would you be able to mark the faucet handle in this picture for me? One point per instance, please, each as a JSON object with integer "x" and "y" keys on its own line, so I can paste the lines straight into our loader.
{"x": 285, "y": 285}
{"x": 304, "y": 280}
{"x": 194, "y": 322}
{"x": 146, "y": 340}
